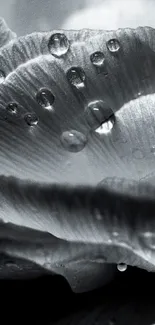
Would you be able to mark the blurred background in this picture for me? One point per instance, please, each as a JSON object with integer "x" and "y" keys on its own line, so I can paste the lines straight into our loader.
{"x": 26, "y": 16}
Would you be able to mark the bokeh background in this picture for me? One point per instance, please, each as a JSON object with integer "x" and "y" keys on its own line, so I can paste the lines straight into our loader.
{"x": 26, "y": 16}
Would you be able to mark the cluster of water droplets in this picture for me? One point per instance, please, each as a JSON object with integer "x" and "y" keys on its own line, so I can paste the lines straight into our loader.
{"x": 96, "y": 113}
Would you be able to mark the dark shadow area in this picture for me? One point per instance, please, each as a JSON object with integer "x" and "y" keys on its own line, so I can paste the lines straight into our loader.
{"x": 47, "y": 300}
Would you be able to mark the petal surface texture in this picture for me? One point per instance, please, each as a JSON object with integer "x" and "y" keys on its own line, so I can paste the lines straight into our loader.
{"x": 77, "y": 144}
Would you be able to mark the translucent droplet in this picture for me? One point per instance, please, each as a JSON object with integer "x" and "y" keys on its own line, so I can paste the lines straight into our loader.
{"x": 97, "y": 112}
{"x": 58, "y": 45}
{"x": 2, "y": 76}
{"x": 153, "y": 150}
{"x": 137, "y": 153}
{"x": 12, "y": 108}
{"x": 45, "y": 98}
{"x": 31, "y": 119}
{"x": 73, "y": 140}
{"x": 97, "y": 59}
{"x": 76, "y": 76}
{"x": 105, "y": 127}
{"x": 113, "y": 45}
{"x": 148, "y": 240}
{"x": 122, "y": 267}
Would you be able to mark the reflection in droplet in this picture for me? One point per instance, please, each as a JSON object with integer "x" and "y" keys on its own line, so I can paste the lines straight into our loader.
{"x": 122, "y": 267}
{"x": 12, "y": 108}
{"x": 113, "y": 45}
{"x": 58, "y": 45}
{"x": 2, "y": 76}
{"x": 97, "y": 112}
{"x": 147, "y": 239}
{"x": 73, "y": 140}
{"x": 31, "y": 119}
{"x": 76, "y": 76}
{"x": 45, "y": 98}
{"x": 137, "y": 153}
{"x": 105, "y": 127}
{"x": 97, "y": 59}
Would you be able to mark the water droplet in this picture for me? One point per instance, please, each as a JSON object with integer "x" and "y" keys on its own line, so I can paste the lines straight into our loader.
{"x": 45, "y": 98}
{"x": 12, "y": 108}
{"x": 122, "y": 267}
{"x": 31, "y": 119}
{"x": 105, "y": 127}
{"x": 153, "y": 150}
{"x": 97, "y": 59}
{"x": 138, "y": 154}
{"x": 113, "y": 45}
{"x": 73, "y": 140}
{"x": 148, "y": 239}
{"x": 58, "y": 45}
{"x": 76, "y": 76}
{"x": 2, "y": 76}
{"x": 97, "y": 112}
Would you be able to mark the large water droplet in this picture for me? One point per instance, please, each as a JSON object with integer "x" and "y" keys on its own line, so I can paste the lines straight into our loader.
{"x": 148, "y": 239}
{"x": 105, "y": 127}
{"x": 31, "y": 119}
{"x": 97, "y": 112}
{"x": 121, "y": 267}
{"x": 2, "y": 76}
{"x": 76, "y": 76}
{"x": 97, "y": 59}
{"x": 12, "y": 108}
{"x": 113, "y": 45}
{"x": 58, "y": 45}
{"x": 45, "y": 98}
{"x": 73, "y": 140}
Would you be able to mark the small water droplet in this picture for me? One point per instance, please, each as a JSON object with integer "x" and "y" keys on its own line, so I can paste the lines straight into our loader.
{"x": 31, "y": 119}
{"x": 148, "y": 239}
{"x": 122, "y": 267}
{"x": 97, "y": 59}
{"x": 58, "y": 45}
{"x": 73, "y": 140}
{"x": 45, "y": 98}
{"x": 97, "y": 112}
{"x": 153, "y": 150}
{"x": 2, "y": 76}
{"x": 12, "y": 108}
{"x": 137, "y": 153}
{"x": 113, "y": 45}
{"x": 105, "y": 127}
{"x": 76, "y": 76}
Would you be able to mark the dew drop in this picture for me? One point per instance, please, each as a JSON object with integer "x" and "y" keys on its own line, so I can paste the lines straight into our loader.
{"x": 45, "y": 98}
{"x": 31, "y": 119}
{"x": 12, "y": 108}
{"x": 97, "y": 59}
{"x": 97, "y": 112}
{"x": 152, "y": 150}
{"x": 105, "y": 127}
{"x": 58, "y": 45}
{"x": 2, "y": 76}
{"x": 113, "y": 45}
{"x": 122, "y": 267}
{"x": 73, "y": 140}
{"x": 148, "y": 239}
{"x": 76, "y": 76}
